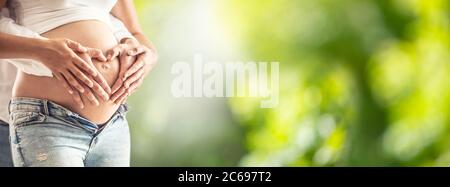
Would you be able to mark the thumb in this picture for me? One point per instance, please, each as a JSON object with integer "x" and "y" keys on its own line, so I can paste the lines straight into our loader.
{"x": 97, "y": 54}
{"x": 112, "y": 53}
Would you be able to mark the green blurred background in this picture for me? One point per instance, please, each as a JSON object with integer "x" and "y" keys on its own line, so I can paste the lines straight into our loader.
{"x": 362, "y": 83}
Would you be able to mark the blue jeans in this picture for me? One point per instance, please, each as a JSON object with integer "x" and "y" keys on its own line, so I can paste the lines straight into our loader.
{"x": 5, "y": 150}
{"x": 45, "y": 134}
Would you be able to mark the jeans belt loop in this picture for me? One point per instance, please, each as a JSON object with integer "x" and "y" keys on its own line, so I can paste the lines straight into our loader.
{"x": 46, "y": 109}
{"x": 123, "y": 109}
{"x": 9, "y": 106}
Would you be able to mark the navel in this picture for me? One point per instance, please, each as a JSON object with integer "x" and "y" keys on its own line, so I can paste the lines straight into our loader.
{"x": 105, "y": 66}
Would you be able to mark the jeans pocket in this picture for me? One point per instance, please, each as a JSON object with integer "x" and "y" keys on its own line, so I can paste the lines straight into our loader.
{"x": 20, "y": 119}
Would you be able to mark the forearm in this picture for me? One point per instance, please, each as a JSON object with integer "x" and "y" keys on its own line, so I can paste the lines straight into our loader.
{"x": 145, "y": 41}
{"x": 17, "y": 41}
{"x": 125, "y": 11}
{"x": 12, "y": 47}
{"x": 138, "y": 45}
{"x": 119, "y": 30}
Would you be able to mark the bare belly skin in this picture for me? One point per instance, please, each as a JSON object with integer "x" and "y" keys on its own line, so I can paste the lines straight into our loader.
{"x": 89, "y": 33}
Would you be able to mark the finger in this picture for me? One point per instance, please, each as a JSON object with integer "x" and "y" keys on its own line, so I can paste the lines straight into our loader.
{"x": 102, "y": 82}
{"x": 124, "y": 101}
{"x": 99, "y": 90}
{"x": 116, "y": 95}
{"x": 81, "y": 76}
{"x": 136, "y": 51}
{"x": 64, "y": 82}
{"x": 135, "y": 86}
{"x": 135, "y": 67}
{"x": 114, "y": 52}
{"x": 77, "y": 98}
{"x": 121, "y": 98}
{"x": 97, "y": 54}
{"x": 116, "y": 85}
{"x": 75, "y": 46}
{"x": 72, "y": 81}
{"x": 133, "y": 78}
{"x": 91, "y": 97}
{"x": 124, "y": 63}
{"x": 86, "y": 66}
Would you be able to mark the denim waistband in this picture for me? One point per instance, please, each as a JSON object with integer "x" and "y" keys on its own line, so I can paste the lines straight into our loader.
{"x": 47, "y": 107}
{"x": 3, "y": 123}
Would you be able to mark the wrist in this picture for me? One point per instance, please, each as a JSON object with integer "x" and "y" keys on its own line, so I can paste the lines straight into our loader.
{"x": 38, "y": 48}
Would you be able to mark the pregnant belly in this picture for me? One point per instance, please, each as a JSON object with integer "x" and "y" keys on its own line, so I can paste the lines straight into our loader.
{"x": 92, "y": 34}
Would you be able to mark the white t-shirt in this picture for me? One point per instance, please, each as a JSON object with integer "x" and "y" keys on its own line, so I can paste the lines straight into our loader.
{"x": 9, "y": 67}
{"x": 7, "y": 76}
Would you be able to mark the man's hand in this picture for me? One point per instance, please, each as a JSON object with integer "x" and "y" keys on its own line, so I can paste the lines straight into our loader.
{"x": 61, "y": 56}
{"x": 136, "y": 61}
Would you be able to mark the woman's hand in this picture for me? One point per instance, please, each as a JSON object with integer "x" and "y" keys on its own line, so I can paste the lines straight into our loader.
{"x": 132, "y": 70}
{"x": 61, "y": 57}
{"x": 95, "y": 93}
